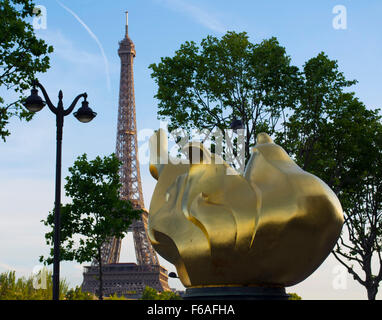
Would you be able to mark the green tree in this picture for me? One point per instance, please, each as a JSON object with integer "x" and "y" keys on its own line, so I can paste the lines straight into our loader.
{"x": 78, "y": 294}
{"x": 23, "y": 288}
{"x": 207, "y": 87}
{"x": 115, "y": 296}
{"x": 359, "y": 183}
{"x": 95, "y": 214}
{"x": 294, "y": 296}
{"x": 318, "y": 95}
{"x": 149, "y": 294}
{"x": 334, "y": 136}
{"x": 152, "y": 294}
{"x": 22, "y": 55}
{"x": 169, "y": 295}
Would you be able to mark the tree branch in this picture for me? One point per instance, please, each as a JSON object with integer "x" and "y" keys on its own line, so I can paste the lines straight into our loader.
{"x": 350, "y": 270}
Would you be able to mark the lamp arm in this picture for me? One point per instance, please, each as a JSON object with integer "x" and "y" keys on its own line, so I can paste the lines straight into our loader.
{"x": 45, "y": 94}
{"x": 71, "y": 107}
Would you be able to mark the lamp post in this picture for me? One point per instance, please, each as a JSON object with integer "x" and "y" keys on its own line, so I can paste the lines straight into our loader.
{"x": 34, "y": 103}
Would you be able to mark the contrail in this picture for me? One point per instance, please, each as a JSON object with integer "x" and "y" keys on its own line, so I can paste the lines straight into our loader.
{"x": 96, "y": 40}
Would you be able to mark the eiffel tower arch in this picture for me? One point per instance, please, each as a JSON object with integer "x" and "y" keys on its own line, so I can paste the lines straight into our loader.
{"x": 123, "y": 278}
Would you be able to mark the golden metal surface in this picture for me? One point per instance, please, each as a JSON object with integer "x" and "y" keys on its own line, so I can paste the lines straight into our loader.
{"x": 273, "y": 226}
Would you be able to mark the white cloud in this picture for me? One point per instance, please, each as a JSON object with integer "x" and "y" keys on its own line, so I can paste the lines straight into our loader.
{"x": 201, "y": 16}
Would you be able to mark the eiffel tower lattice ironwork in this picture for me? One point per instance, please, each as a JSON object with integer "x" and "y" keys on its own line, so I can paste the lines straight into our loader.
{"x": 122, "y": 277}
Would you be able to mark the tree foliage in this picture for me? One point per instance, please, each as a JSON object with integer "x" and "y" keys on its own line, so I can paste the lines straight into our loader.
{"x": 23, "y": 288}
{"x": 207, "y": 87}
{"x": 77, "y": 294}
{"x": 22, "y": 56}
{"x": 115, "y": 296}
{"x": 95, "y": 214}
{"x": 12, "y": 288}
{"x": 294, "y": 296}
{"x": 152, "y": 294}
{"x": 320, "y": 96}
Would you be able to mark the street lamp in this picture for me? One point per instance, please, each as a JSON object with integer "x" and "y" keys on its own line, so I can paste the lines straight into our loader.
{"x": 34, "y": 103}
{"x": 236, "y": 124}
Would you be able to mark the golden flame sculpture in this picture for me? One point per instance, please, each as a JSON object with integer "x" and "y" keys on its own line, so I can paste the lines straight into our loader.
{"x": 272, "y": 226}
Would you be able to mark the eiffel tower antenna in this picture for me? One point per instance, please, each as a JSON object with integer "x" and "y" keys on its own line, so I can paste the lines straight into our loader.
{"x": 127, "y": 23}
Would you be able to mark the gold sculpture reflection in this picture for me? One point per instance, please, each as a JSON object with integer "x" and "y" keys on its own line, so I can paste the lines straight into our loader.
{"x": 271, "y": 227}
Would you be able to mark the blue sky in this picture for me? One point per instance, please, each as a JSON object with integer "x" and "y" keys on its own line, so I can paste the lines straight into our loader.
{"x": 85, "y": 34}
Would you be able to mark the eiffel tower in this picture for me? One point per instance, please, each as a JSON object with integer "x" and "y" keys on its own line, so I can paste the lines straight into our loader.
{"x": 128, "y": 278}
